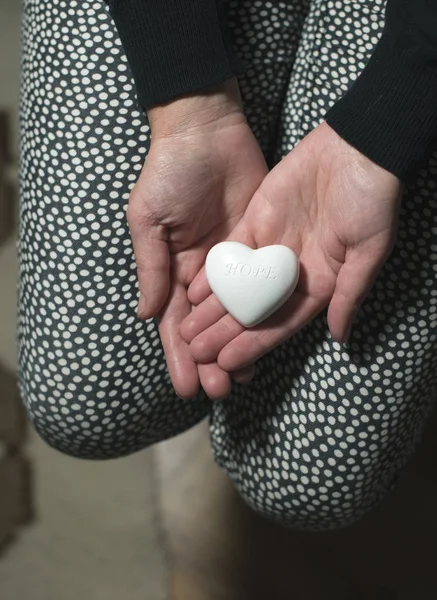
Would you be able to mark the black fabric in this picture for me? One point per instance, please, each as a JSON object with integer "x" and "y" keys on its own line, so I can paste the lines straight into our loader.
{"x": 179, "y": 46}
{"x": 175, "y": 46}
{"x": 322, "y": 432}
{"x": 390, "y": 112}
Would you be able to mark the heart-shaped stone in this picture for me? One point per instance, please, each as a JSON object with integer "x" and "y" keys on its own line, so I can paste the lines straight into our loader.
{"x": 251, "y": 284}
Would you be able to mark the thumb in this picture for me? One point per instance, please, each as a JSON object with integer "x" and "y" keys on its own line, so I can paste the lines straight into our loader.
{"x": 152, "y": 258}
{"x": 354, "y": 282}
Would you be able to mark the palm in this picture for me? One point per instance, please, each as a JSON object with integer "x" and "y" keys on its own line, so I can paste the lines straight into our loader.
{"x": 338, "y": 212}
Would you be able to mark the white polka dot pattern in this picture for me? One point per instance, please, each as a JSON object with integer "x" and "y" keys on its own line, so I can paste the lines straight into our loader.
{"x": 321, "y": 433}
{"x": 92, "y": 374}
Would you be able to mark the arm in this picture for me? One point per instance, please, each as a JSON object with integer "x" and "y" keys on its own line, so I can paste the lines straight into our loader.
{"x": 202, "y": 168}
{"x": 390, "y": 112}
{"x": 175, "y": 46}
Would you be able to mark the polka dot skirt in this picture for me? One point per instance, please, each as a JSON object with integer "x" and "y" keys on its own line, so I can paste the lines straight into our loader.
{"x": 322, "y": 432}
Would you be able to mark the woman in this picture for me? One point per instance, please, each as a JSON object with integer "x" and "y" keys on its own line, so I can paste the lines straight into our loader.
{"x": 319, "y": 434}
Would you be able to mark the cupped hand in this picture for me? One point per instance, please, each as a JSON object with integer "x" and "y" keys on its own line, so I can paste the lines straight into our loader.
{"x": 193, "y": 189}
{"x": 338, "y": 211}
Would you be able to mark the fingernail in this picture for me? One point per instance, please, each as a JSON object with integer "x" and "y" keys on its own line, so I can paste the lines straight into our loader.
{"x": 347, "y": 335}
{"x": 141, "y": 305}
{"x": 349, "y": 329}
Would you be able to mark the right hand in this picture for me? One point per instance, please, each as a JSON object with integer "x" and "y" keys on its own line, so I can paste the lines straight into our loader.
{"x": 338, "y": 211}
{"x": 198, "y": 178}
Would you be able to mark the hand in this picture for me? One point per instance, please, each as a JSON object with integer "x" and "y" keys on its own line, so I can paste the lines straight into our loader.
{"x": 338, "y": 211}
{"x": 203, "y": 167}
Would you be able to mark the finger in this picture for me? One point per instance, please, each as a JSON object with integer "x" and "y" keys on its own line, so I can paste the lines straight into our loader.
{"x": 202, "y": 317}
{"x": 354, "y": 282}
{"x": 215, "y": 381}
{"x": 244, "y": 375}
{"x": 181, "y": 367}
{"x": 199, "y": 288}
{"x": 206, "y": 346}
{"x": 254, "y": 343}
{"x": 153, "y": 263}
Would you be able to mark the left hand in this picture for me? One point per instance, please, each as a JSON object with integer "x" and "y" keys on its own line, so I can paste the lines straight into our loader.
{"x": 338, "y": 211}
{"x": 202, "y": 169}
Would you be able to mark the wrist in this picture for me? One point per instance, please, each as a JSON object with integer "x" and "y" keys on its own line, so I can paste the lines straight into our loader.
{"x": 198, "y": 110}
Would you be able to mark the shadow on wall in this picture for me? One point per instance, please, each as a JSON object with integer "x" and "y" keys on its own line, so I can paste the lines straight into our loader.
{"x": 8, "y": 179}
{"x": 15, "y": 472}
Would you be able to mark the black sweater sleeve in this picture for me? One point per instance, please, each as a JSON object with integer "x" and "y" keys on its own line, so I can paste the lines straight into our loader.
{"x": 389, "y": 113}
{"x": 175, "y": 46}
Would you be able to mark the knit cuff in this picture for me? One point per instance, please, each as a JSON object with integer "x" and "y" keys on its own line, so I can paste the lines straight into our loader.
{"x": 390, "y": 111}
{"x": 169, "y": 57}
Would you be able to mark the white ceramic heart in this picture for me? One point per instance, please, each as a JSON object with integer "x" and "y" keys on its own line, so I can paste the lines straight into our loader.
{"x": 251, "y": 284}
